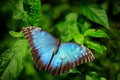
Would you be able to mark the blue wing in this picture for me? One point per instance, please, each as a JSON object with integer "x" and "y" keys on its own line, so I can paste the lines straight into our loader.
{"x": 68, "y": 56}
{"x": 42, "y": 44}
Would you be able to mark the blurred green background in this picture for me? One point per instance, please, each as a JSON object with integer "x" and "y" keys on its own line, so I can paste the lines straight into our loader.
{"x": 93, "y": 23}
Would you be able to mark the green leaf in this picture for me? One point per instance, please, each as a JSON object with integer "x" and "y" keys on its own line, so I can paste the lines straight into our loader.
{"x": 102, "y": 78}
{"x": 79, "y": 38}
{"x": 11, "y": 61}
{"x": 74, "y": 70}
{"x": 94, "y": 33}
{"x": 99, "y": 33}
{"x": 72, "y": 17}
{"x": 89, "y": 32}
{"x": 95, "y": 46}
{"x": 16, "y": 34}
{"x": 95, "y": 13}
{"x": 92, "y": 76}
{"x": 88, "y": 77}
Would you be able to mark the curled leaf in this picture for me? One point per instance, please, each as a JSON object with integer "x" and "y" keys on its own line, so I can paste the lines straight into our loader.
{"x": 16, "y": 34}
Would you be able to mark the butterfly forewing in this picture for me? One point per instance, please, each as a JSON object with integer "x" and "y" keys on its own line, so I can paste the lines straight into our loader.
{"x": 42, "y": 45}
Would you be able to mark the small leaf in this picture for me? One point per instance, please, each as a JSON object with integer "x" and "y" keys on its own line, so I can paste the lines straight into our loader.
{"x": 89, "y": 32}
{"x": 95, "y": 13}
{"x": 99, "y": 33}
{"x": 92, "y": 76}
{"x": 66, "y": 37}
{"x": 11, "y": 61}
{"x": 74, "y": 70}
{"x": 16, "y": 34}
{"x": 102, "y": 78}
{"x": 95, "y": 46}
{"x": 88, "y": 77}
{"x": 94, "y": 33}
{"x": 71, "y": 17}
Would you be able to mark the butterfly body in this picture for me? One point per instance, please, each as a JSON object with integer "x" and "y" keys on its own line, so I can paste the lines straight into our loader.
{"x": 52, "y": 55}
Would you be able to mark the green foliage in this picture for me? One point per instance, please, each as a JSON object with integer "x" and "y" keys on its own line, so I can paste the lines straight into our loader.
{"x": 21, "y": 13}
{"x": 94, "y": 76}
{"x": 32, "y": 8}
{"x": 18, "y": 16}
{"x": 11, "y": 60}
{"x": 71, "y": 25}
{"x": 79, "y": 21}
{"x": 74, "y": 70}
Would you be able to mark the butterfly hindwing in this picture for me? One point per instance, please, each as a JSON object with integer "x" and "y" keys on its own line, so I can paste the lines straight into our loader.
{"x": 68, "y": 56}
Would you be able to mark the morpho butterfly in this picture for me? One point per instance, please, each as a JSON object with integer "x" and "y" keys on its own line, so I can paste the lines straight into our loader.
{"x": 52, "y": 55}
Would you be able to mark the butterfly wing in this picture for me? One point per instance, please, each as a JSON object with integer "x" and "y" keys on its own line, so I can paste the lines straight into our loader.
{"x": 68, "y": 56}
{"x": 42, "y": 46}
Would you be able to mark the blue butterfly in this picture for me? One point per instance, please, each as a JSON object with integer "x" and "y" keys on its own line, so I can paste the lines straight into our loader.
{"x": 52, "y": 55}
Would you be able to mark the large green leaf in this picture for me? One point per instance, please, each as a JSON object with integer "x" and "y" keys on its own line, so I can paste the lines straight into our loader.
{"x": 11, "y": 60}
{"x": 95, "y": 13}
